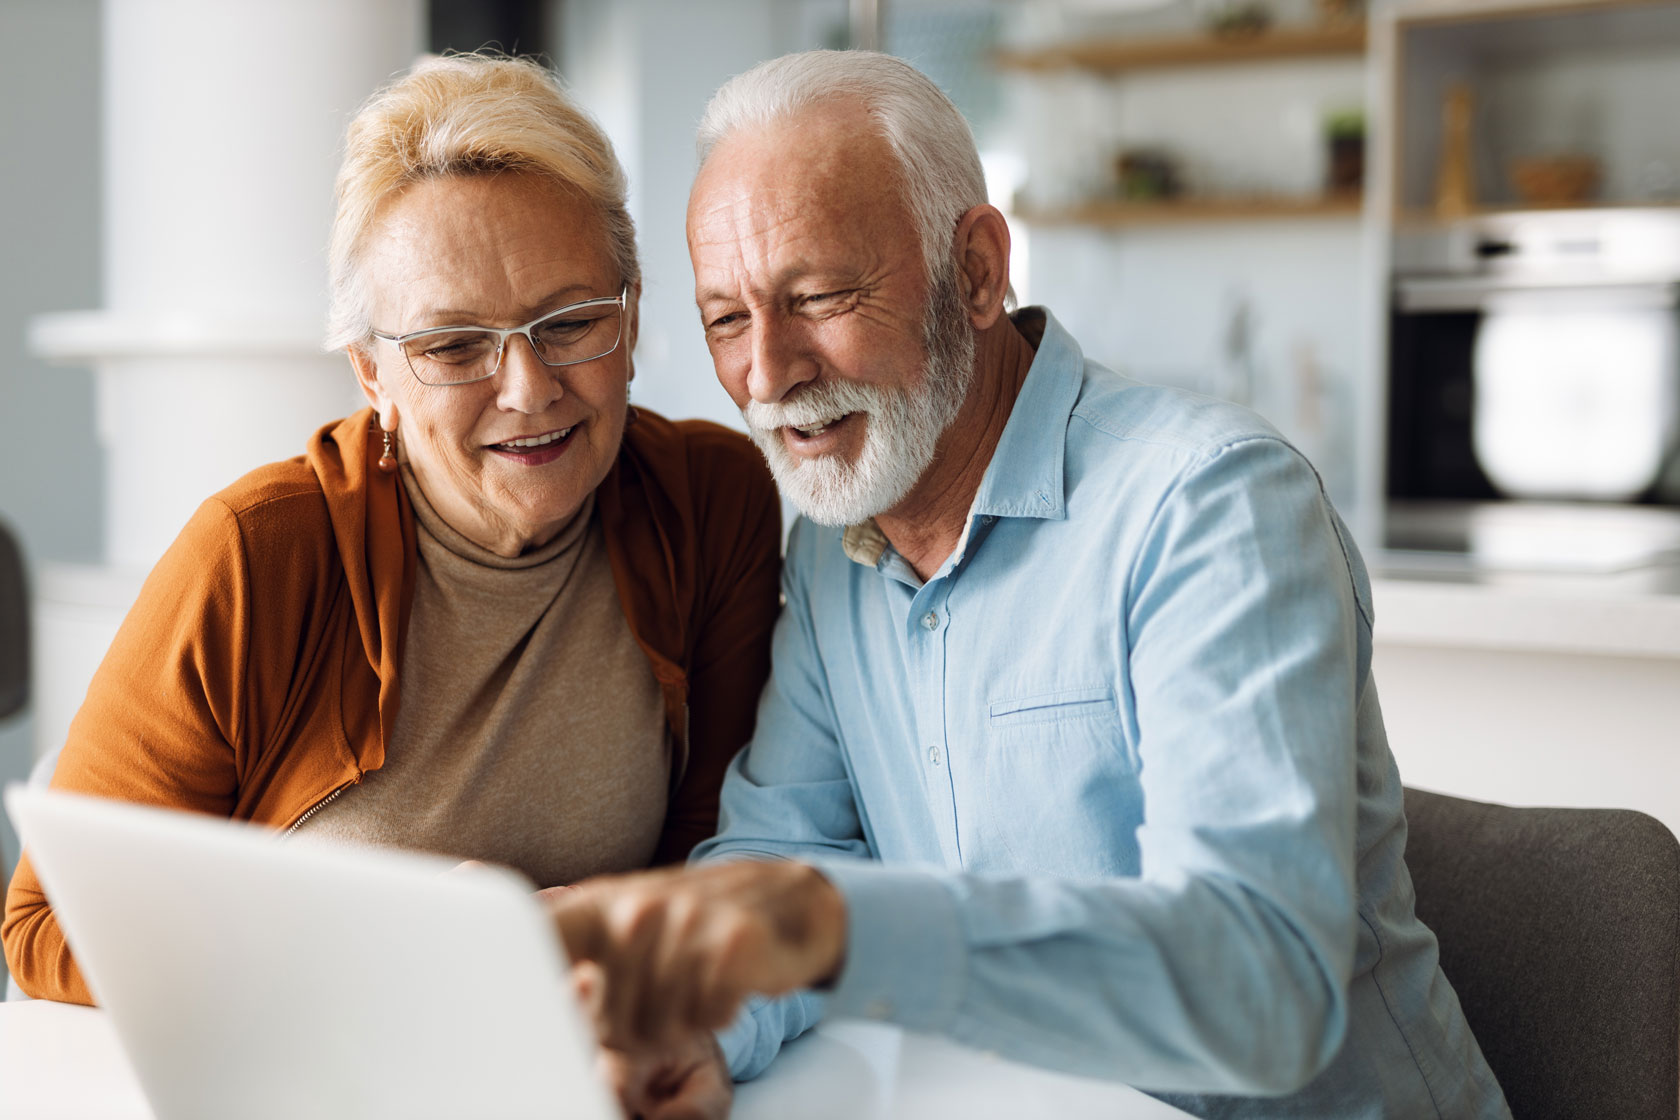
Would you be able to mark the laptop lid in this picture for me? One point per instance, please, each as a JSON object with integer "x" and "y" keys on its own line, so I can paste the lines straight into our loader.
{"x": 252, "y": 976}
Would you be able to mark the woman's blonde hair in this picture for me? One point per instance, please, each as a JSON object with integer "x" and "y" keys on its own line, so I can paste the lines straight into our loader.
{"x": 465, "y": 114}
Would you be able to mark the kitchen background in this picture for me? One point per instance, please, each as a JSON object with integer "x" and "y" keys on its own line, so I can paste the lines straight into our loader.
{"x": 1436, "y": 243}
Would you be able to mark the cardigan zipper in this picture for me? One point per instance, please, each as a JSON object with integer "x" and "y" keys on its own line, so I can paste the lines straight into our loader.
{"x": 318, "y": 806}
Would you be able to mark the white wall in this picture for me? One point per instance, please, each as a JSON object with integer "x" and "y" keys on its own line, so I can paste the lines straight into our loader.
{"x": 50, "y": 463}
{"x": 1158, "y": 304}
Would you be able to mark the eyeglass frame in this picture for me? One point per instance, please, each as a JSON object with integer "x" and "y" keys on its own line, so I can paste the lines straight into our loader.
{"x": 505, "y": 333}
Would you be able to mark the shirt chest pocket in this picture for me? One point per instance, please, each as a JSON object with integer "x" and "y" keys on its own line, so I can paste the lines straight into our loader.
{"x": 1060, "y": 782}
{"x": 1080, "y": 724}
{"x": 1061, "y": 705}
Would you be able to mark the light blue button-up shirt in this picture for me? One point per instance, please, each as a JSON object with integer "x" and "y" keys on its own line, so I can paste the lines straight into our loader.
{"x": 1110, "y": 793}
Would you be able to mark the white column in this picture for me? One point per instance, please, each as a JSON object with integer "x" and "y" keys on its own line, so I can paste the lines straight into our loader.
{"x": 223, "y": 123}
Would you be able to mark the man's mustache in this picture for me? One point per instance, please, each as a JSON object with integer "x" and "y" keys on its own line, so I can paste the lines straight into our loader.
{"x": 817, "y": 402}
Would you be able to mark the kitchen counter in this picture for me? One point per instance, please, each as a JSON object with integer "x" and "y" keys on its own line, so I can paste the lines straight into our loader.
{"x": 1628, "y": 614}
{"x": 1537, "y": 578}
{"x": 1540, "y": 665}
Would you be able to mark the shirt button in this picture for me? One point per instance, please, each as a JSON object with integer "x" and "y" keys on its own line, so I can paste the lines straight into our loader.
{"x": 930, "y": 620}
{"x": 933, "y": 755}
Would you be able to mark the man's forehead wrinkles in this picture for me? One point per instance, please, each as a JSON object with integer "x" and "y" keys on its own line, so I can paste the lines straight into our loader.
{"x": 776, "y": 255}
{"x": 747, "y": 213}
{"x": 769, "y": 221}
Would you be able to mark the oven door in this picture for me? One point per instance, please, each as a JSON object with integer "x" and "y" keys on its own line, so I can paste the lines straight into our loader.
{"x": 1577, "y": 391}
{"x": 1575, "y": 388}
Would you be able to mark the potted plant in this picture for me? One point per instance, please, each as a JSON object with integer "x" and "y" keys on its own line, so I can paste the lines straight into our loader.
{"x": 1344, "y": 139}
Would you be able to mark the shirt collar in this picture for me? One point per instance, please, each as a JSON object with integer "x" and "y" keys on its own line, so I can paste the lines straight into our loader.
{"x": 1024, "y": 478}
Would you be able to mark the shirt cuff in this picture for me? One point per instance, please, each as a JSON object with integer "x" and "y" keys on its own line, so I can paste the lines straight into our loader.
{"x": 906, "y": 954}
{"x": 736, "y": 1041}
{"x": 752, "y": 1041}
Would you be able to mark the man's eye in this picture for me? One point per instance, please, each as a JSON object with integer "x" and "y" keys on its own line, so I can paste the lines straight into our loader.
{"x": 829, "y": 297}
{"x": 723, "y": 322}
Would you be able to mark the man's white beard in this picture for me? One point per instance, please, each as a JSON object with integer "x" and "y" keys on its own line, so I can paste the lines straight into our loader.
{"x": 902, "y": 427}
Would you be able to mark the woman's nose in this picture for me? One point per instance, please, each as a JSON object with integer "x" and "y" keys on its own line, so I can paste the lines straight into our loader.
{"x": 524, "y": 383}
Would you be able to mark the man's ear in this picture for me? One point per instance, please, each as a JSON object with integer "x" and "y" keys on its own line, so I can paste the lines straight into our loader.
{"x": 367, "y": 377}
{"x": 981, "y": 250}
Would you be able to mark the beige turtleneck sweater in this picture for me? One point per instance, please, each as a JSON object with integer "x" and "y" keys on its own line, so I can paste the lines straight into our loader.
{"x": 531, "y": 731}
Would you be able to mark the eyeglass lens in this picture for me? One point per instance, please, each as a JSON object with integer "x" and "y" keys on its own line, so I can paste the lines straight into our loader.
{"x": 569, "y": 336}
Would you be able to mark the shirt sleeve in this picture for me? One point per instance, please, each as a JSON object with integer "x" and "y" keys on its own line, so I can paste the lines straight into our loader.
{"x": 1223, "y": 966}
{"x": 159, "y": 724}
{"x": 787, "y": 796}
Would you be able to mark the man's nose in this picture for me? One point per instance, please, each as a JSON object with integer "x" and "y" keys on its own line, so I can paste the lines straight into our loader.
{"x": 524, "y": 383}
{"x": 781, "y": 360}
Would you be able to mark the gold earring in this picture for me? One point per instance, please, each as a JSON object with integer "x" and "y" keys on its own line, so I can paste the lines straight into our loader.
{"x": 388, "y": 459}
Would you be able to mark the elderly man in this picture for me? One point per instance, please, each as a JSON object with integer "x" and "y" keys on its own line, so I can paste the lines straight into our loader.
{"x": 1071, "y": 749}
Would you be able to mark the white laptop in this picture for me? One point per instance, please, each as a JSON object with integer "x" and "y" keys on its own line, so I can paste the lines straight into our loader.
{"x": 250, "y": 976}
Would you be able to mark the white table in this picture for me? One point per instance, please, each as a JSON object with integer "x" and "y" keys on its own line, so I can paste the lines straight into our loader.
{"x": 61, "y": 1062}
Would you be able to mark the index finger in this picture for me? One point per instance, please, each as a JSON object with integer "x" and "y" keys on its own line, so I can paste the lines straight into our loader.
{"x": 580, "y": 924}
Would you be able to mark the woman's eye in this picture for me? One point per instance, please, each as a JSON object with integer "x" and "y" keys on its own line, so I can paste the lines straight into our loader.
{"x": 456, "y": 349}
{"x": 560, "y": 329}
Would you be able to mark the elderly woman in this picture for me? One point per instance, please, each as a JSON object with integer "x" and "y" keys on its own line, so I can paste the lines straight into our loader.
{"x": 499, "y": 614}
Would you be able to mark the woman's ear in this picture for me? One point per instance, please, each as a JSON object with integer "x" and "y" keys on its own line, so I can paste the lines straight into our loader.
{"x": 632, "y": 326}
{"x": 367, "y": 377}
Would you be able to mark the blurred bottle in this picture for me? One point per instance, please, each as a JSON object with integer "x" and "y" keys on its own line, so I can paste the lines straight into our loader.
{"x": 1455, "y": 185}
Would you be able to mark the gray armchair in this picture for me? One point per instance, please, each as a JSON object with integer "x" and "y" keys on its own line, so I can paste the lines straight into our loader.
{"x": 1560, "y": 931}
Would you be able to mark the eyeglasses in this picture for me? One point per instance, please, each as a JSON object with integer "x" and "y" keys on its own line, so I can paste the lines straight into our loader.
{"x": 578, "y": 332}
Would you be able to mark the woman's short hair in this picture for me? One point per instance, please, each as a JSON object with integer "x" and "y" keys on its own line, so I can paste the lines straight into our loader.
{"x": 465, "y": 114}
{"x": 926, "y": 134}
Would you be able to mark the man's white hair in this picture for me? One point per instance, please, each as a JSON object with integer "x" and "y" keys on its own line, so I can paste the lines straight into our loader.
{"x": 928, "y": 137}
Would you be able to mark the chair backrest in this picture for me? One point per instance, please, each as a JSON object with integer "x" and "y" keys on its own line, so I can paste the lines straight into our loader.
{"x": 1560, "y": 931}
{"x": 14, "y": 627}
{"x": 14, "y": 650}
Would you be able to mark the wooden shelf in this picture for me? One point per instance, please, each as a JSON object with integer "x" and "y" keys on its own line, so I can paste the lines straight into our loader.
{"x": 1110, "y": 56}
{"x": 1122, "y": 212}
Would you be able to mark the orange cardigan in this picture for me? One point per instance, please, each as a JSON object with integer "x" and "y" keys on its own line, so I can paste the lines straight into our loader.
{"x": 258, "y": 671}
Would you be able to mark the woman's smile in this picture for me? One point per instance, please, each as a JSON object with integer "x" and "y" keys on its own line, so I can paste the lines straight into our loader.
{"x": 535, "y": 451}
